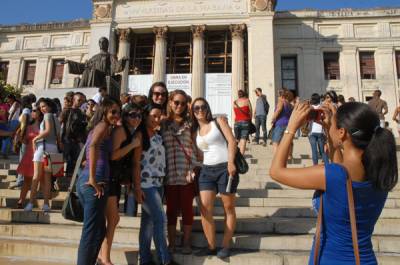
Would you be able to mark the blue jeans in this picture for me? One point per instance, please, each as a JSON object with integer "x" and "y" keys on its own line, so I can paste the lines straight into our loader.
{"x": 261, "y": 121}
{"x": 317, "y": 141}
{"x": 153, "y": 225}
{"x": 94, "y": 222}
{"x": 5, "y": 147}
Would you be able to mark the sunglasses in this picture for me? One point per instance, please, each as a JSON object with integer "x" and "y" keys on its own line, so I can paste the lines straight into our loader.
{"x": 199, "y": 108}
{"x": 159, "y": 94}
{"x": 135, "y": 115}
{"x": 115, "y": 112}
{"x": 34, "y": 110}
{"x": 181, "y": 103}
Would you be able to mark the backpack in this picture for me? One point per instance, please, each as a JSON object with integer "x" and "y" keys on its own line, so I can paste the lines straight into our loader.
{"x": 75, "y": 127}
{"x": 266, "y": 104}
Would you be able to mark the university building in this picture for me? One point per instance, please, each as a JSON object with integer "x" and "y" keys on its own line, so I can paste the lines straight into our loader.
{"x": 214, "y": 48}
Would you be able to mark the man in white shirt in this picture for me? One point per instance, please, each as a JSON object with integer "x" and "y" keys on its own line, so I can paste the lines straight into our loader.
{"x": 100, "y": 95}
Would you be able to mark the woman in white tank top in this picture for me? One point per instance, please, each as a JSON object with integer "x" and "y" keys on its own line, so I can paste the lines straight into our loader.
{"x": 218, "y": 168}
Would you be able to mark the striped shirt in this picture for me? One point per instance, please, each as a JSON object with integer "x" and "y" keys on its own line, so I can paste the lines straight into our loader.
{"x": 176, "y": 138}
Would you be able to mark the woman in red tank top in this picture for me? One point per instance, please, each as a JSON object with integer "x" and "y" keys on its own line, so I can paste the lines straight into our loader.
{"x": 243, "y": 115}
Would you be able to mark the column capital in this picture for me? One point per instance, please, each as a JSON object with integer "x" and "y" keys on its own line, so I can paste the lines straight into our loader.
{"x": 198, "y": 31}
{"x": 161, "y": 32}
{"x": 237, "y": 30}
{"x": 124, "y": 34}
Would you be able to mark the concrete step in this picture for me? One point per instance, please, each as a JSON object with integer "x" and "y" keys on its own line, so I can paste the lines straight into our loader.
{"x": 36, "y": 261}
{"x": 123, "y": 255}
{"x": 130, "y": 237}
{"x": 250, "y": 225}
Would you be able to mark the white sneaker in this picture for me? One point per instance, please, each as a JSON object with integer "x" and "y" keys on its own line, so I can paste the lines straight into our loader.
{"x": 28, "y": 207}
{"x": 46, "y": 208}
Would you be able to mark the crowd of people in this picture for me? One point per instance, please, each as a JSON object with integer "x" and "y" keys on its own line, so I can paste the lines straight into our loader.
{"x": 166, "y": 148}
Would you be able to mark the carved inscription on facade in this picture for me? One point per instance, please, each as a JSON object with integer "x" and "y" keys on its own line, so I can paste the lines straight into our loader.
{"x": 167, "y": 8}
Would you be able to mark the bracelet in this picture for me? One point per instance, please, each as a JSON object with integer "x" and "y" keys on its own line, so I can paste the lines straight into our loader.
{"x": 288, "y": 132}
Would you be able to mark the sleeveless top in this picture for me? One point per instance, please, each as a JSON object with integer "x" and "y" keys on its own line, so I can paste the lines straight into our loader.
{"x": 213, "y": 145}
{"x": 153, "y": 164}
{"x": 103, "y": 158}
{"x": 242, "y": 113}
{"x": 284, "y": 116}
{"x": 336, "y": 241}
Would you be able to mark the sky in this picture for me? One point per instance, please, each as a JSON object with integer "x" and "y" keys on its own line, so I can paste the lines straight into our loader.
{"x": 36, "y": 11}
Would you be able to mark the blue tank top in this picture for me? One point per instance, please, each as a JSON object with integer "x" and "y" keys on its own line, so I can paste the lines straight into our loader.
{"x": 284, "y": 116}
{"x": 102, "y": 164}
{"x": 336, "y": 241}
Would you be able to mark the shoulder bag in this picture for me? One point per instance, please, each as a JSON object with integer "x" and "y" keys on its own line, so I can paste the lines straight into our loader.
{"x": 353, "y": 224}
{"x": 72, "y": 208}
{"x": 53, "y": 162}
{"x": 252, "y": 127}
{"x": 240, "y": 162}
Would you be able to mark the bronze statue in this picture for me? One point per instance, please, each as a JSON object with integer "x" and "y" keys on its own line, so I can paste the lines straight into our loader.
{"x": 98, "y": 70}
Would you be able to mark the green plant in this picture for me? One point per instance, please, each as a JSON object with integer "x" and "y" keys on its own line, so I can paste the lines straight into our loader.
{"x": 7, "y": 89}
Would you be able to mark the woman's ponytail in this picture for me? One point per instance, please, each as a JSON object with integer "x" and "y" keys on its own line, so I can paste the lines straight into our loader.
{"x": 380, "y": 160}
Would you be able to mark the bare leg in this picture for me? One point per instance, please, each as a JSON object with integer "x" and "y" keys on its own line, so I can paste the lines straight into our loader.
{"x": 207, "y": 199}
{"x": 37, "y": 172}
{"x": 112, "y": 216}
{"x": 242, "y": 146}
{"x": 24, "y": 190}
{"x": 230, "y": 218}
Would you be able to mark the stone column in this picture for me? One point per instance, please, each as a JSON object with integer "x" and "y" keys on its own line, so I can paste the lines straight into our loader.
{"x": 237, "y": 57}
{"x": 198, "y": 61}
{"x": 124, "y": 52}
{"x": 160, "y": 55}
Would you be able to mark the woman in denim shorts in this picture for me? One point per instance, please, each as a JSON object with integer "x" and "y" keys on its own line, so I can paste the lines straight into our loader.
{"x": 243, "y": 110}
{"x": 215, "y": 139}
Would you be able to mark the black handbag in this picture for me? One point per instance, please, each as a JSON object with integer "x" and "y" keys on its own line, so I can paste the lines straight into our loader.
{"x": 240, "y": 162}
{"x": 72, "y": 208}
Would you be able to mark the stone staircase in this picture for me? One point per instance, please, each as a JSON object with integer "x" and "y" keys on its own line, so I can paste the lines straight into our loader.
{"x": 275, "y": 223}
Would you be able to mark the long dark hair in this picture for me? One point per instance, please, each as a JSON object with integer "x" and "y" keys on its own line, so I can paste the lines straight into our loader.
{"x": 143, "y": 125}
{"x": 50, "y": 104}
{"x": 379, "y": 157}
{"x": 102, "y": 110}
{"x": 151, "y": 91}
{"x": 195, "y": 122}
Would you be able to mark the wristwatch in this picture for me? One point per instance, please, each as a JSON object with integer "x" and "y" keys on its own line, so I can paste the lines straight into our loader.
{"x": 288, "y": 132}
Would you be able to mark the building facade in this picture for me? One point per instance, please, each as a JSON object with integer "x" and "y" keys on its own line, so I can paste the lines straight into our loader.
{"x": 214, "y": 48}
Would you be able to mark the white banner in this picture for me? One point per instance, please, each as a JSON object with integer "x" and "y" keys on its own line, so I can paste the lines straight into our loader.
{"x": 140, "y": 84}
{"x": 219, "y": 94}
{"x": 180, "y": 81}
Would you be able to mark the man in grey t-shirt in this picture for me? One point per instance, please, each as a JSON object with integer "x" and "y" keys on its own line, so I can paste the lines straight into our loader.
{"x": 260, "y": 113}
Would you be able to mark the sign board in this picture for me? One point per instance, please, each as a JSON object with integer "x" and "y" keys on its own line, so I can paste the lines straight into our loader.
{"x": 180, "y": 81}
{"x": 219, "y": 94}
{"x": 140, "y": 84}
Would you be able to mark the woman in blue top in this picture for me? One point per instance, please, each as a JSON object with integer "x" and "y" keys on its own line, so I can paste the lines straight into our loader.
{"x": 359, "y": 149}
{"x": 93, "y": 183}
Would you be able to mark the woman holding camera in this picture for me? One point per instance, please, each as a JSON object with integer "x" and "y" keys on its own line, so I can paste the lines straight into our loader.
{"x": 363, "y": 152}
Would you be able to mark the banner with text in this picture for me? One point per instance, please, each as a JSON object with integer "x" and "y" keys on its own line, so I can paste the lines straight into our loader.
{"x": 180, "y": 81}
{"x": 219, "y": 94}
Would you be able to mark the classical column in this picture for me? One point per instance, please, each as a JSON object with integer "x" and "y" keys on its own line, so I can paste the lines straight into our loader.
{"x": 237, "y": 57}
{"x": 160, "y": 56}
{"x": 198, "y": 61}
{"x": 124, "y": 52}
